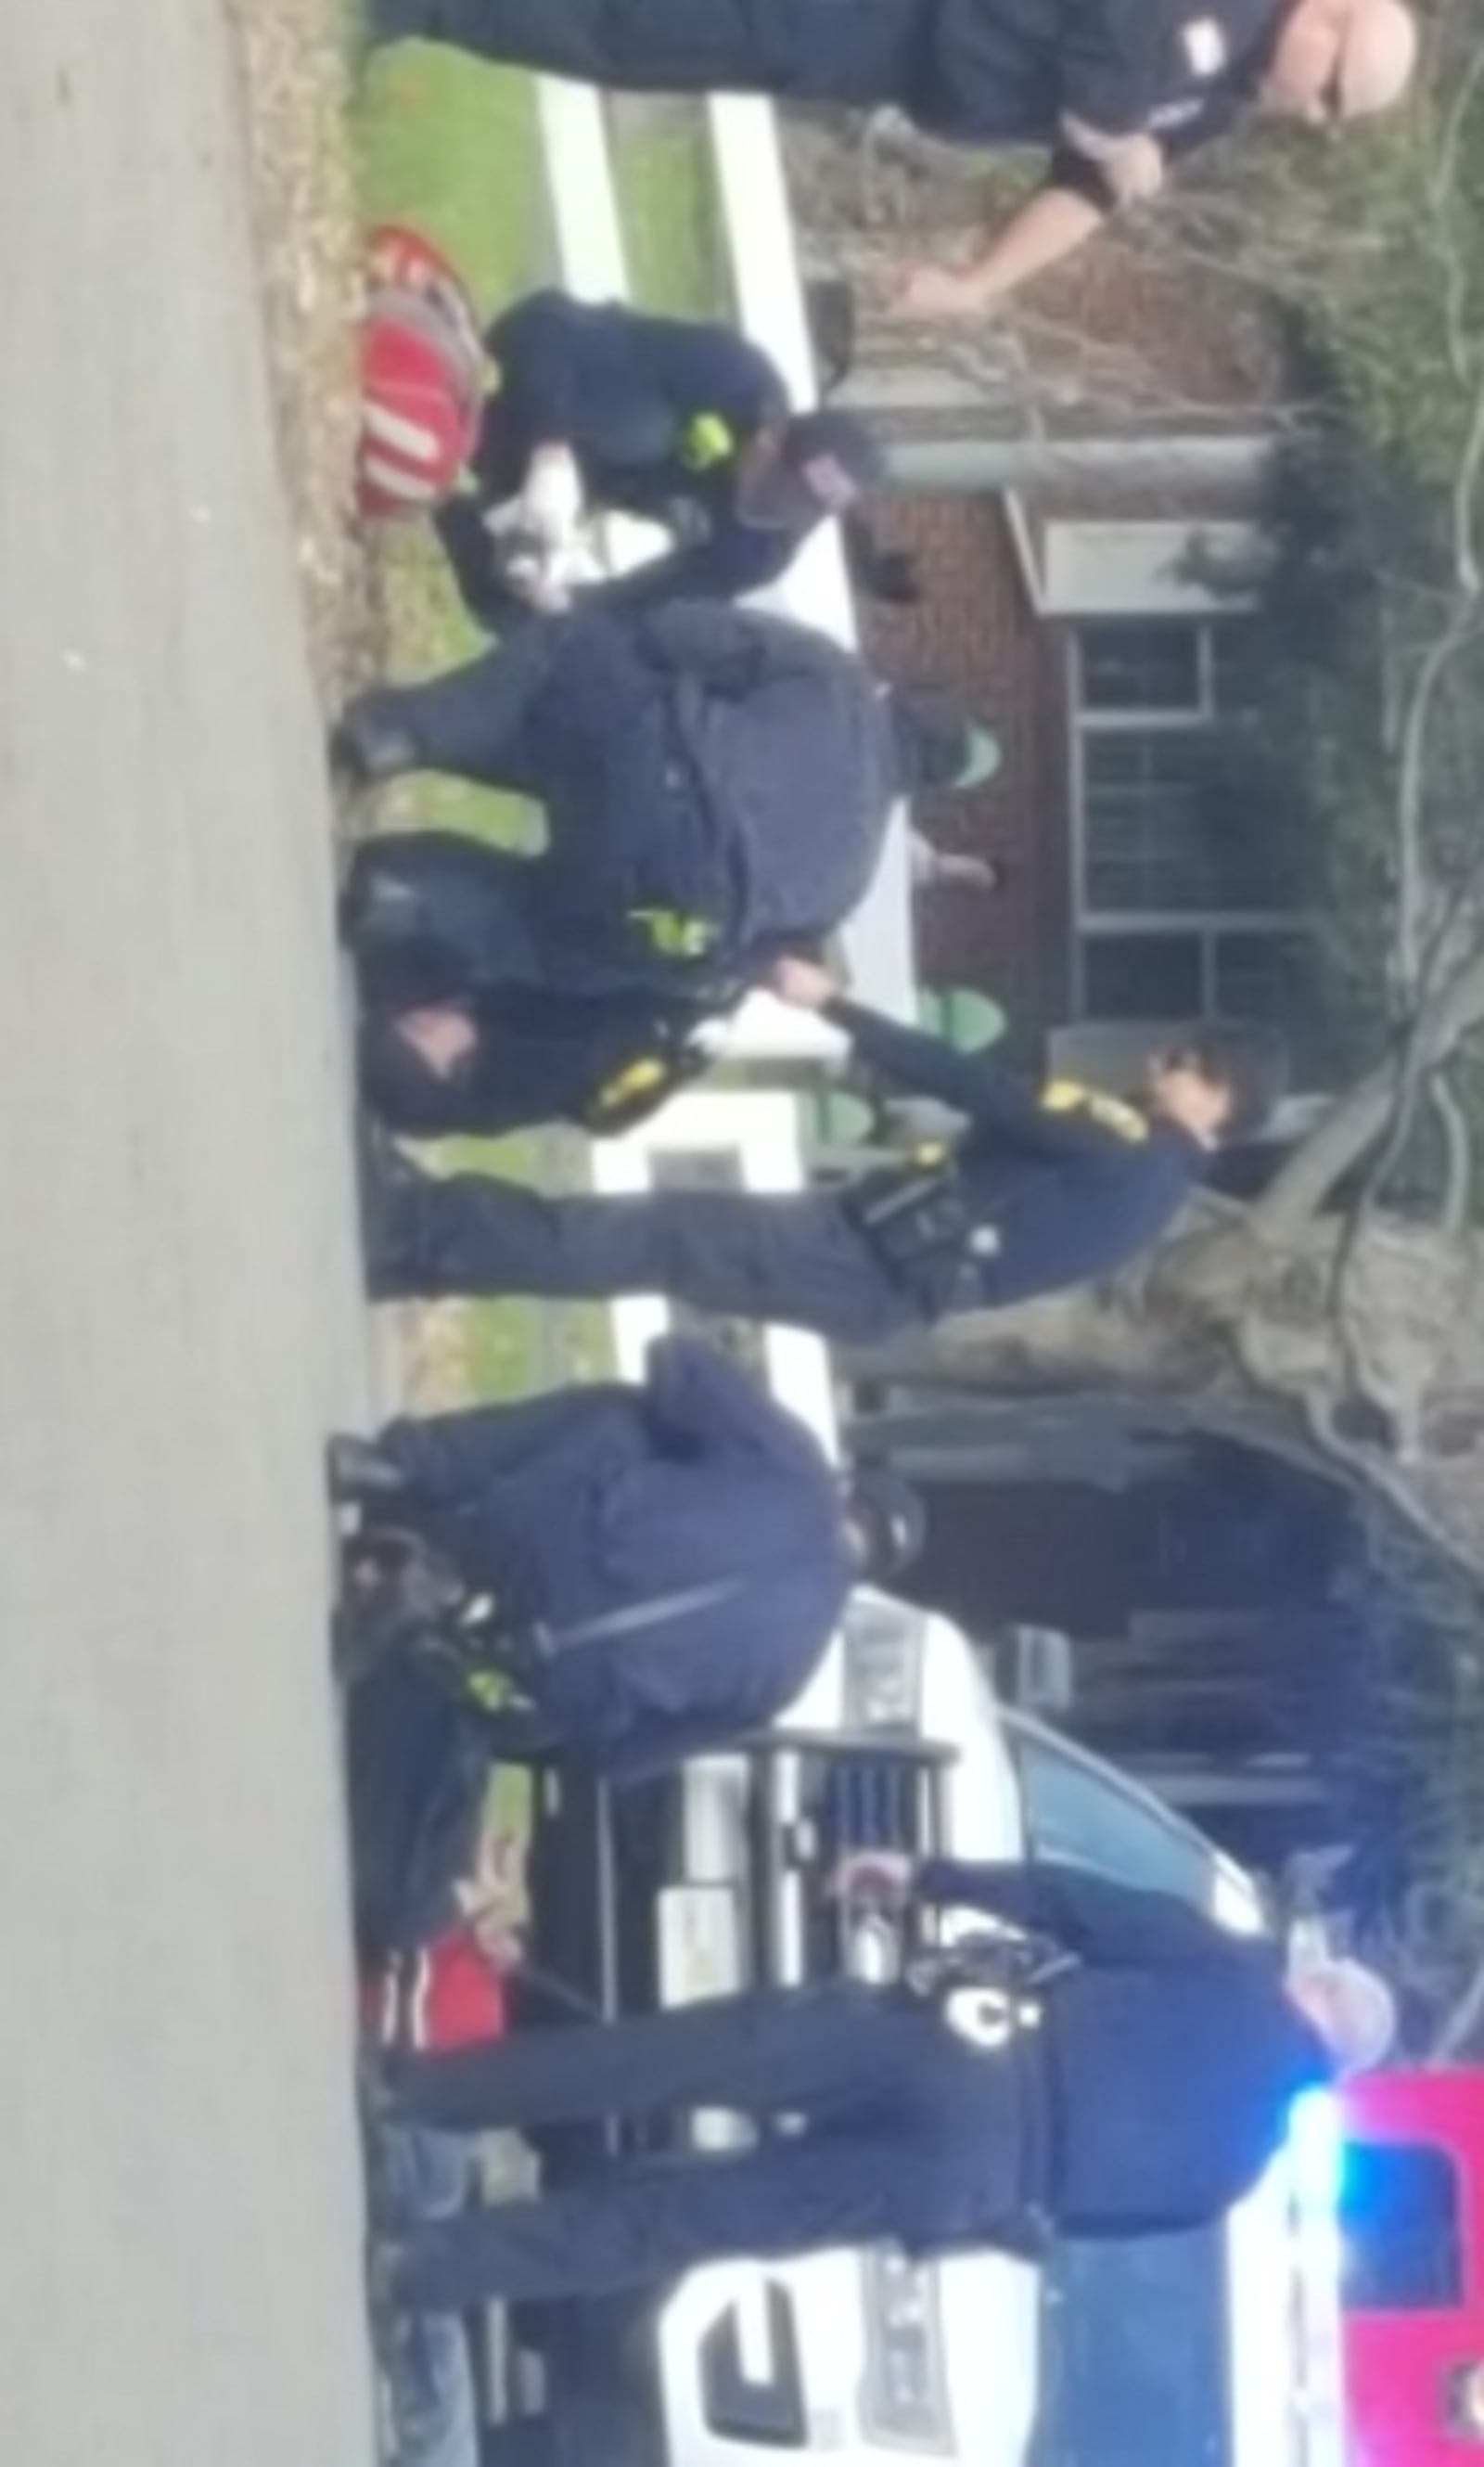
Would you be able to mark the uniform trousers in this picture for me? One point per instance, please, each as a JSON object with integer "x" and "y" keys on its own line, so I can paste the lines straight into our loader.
{"x": 791, "y": 1260}
{"x": 909, "y": 2133}
{"x": 861, "y": 52}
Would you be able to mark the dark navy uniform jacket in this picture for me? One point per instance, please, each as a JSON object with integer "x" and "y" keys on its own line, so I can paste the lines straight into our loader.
{"x": 790, "y": 746}
{"x": 1064, "y": 1191}
{"x": 633, "y": 1495}
{"x": 717, "y": 784}
{"x": 1006, "y": 71}
{"x": 624, "y": 392}
{"x": 1172, "y": 2051}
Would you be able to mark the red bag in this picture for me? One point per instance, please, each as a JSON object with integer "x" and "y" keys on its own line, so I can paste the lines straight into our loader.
{"x": 423, "y": 379}
{"x": 448, "y": 1994}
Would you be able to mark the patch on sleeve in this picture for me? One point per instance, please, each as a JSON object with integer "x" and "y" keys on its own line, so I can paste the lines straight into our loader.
{"x": 1111, "y": 1113}
{"x": 1204, "y": 42}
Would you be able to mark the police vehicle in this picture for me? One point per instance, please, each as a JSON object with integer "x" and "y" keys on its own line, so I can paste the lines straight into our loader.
{"x": 1218, "y": 2349}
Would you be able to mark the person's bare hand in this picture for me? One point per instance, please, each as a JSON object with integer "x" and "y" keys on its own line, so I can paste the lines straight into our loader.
{"x": 936, "y": 291}
{"x": 804, "y": 982}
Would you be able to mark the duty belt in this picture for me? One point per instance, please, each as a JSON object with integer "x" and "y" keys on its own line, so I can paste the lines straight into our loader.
{"x": 916, "y": 1217}
{"x": 989, "y": 1990}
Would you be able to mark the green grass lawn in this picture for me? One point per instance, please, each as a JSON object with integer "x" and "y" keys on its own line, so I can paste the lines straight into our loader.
{"x": 673, "y": 241}
{"x": 453, "y": 147}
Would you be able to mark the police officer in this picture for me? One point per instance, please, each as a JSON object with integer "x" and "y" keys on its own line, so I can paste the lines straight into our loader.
{"x": 667, "y": 1562}
{"x": 716, "y": 783}
{"x": 1041, "y": 1191}
{"x": 680, "y": 421}
{"x": 1116, "y": 89}
{"x": 1132, "y": 2073}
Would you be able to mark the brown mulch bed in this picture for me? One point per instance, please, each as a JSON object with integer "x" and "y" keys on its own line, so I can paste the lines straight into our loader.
{"x": 296, "y": 64}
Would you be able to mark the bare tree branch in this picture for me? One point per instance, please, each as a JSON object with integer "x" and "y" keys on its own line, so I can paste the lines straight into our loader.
{"x": 1460, "y": 2022}
{"x": 1458, "y": 1154}
{"x": 1351, "y": 1126}
{"x": 1373, "y": 1472}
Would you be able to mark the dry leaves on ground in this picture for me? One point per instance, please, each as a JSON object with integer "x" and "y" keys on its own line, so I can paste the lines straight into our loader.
{"x": 296, "y": 70}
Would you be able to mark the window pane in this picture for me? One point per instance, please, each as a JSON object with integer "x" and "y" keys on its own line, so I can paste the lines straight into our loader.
{"x": 1400, "y": 2228}
{"x": 1082, "y": 1814}
{"x": 1142, "y": 976}
{"x": 1264, "y": 976}
{"x": 1135, "y": 667}
{"x": 1236, "y": 667}
{"x": 1168, "y": 826}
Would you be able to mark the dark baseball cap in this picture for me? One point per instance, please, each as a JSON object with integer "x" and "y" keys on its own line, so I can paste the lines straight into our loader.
{"x": 826, "y": 461}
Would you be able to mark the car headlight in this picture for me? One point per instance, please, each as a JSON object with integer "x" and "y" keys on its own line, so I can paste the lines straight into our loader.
{"x": 883, "y": 1665}
{"x": 906, "y": 2396}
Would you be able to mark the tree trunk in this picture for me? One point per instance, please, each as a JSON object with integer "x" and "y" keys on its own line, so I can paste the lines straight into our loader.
{"x": 1237, "y": 1334}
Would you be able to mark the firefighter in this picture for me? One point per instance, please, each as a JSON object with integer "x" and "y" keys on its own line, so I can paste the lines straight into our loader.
{"x": 716, "y": 784}
{"x": 682, "y": 421}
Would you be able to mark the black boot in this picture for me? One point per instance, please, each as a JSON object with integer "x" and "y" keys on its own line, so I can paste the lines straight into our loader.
{"x": 359, "y": 1474}
{"x": 367, "y": 745}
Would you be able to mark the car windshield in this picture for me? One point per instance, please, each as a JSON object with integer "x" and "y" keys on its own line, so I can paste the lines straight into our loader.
{"x": 1135, "y": 2358}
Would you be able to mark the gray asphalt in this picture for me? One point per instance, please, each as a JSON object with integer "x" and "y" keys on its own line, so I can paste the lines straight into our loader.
{"x": 179, "y": 1316}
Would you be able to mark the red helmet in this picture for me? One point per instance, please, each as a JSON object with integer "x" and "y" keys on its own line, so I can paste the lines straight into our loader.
{"x": 423, "y": 377}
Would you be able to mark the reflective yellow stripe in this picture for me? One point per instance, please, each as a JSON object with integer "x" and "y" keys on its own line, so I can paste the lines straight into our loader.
{"x": 632, "y": 1081}
{"x": 679, "y": 937}
{"x": 1069, "y": 1096}
{"x": 706, "y": 441}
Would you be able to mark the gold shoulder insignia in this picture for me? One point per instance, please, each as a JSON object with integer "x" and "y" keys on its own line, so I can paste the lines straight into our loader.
{"x": 634, "y": 1079}
{"x": 1070, "y": 1097}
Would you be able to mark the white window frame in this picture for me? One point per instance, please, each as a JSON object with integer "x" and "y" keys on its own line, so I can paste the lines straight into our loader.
{"x": 1089, "y": 923}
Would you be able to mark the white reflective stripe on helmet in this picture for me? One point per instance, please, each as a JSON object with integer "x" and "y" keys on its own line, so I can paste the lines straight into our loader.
{"x": 412, "y": 487}
{"x": 403, "y": 436}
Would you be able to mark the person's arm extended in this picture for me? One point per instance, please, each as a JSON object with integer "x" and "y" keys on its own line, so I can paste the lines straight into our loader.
{"x": 1087, "y": 1913}
{"x": 1091, "y": 177}
{"x": 1050, "y": 227}
{"x": 992, "y": 1098}
{"x": 919, "y": 1064}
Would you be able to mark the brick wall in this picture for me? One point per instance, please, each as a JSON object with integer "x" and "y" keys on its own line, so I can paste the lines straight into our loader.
{"x": 976, "y": 633}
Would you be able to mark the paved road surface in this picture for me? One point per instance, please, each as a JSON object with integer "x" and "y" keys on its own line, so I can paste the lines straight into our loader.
{"x": 179, "y": 2258}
